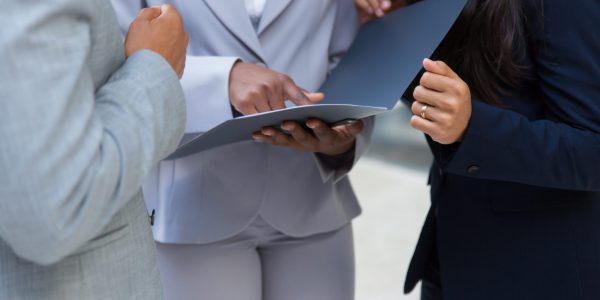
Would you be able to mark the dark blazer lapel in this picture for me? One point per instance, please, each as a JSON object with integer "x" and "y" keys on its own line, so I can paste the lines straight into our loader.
{"x": 273, "y": 8}
{"x": 234, "y": 16}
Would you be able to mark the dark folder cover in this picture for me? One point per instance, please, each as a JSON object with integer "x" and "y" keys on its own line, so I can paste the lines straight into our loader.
{"x": 384, "y": 59}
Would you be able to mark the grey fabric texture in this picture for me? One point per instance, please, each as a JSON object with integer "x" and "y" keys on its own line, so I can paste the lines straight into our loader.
{"x": 261, "y": 263}
{"x": 213, "y": 195}
{"x": 80, "y": 128}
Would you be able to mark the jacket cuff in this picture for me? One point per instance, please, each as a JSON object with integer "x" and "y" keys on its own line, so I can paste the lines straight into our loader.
{"x": 206, "y": 87}
{"x": 466, "y": 158}
{"x": 336, "y": 171}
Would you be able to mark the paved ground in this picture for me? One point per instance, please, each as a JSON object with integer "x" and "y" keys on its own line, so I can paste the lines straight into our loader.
{"x": 391, "y": 185}
{"x": 395, "y": 202}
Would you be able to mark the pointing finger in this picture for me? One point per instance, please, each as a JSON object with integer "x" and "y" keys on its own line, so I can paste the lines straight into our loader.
{"x": 294, "y": 93}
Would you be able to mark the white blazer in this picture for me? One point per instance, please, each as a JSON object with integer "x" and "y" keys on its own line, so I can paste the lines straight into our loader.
{"x": 213, "y": 195}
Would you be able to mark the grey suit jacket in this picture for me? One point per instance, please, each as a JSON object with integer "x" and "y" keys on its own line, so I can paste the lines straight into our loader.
{"x": 80, "y": 128}
{"x": 215, "y": 194}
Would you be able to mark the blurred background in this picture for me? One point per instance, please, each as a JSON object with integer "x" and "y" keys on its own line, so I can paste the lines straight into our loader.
{"x": 391, "y": 183}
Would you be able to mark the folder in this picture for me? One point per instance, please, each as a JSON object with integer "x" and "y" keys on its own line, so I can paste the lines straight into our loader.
{"x": 384, "y": 59}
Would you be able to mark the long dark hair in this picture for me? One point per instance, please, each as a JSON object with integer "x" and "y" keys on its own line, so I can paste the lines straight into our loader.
{"x": 484, "y": 45}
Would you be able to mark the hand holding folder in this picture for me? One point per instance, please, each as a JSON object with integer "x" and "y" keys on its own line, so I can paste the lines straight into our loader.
{"x": 379, "y": 67}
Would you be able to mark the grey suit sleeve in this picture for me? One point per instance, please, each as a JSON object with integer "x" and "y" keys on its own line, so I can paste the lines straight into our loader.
{"x": 72, "y": 153}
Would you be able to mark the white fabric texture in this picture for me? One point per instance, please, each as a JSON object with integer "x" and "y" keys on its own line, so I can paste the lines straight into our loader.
{"x": 255, "y": 8}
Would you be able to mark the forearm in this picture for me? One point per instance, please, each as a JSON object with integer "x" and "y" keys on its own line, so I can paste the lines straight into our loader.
{"x": 504, "y": 145}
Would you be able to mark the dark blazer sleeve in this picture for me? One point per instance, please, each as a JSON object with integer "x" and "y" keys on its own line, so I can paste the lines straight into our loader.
{"x": 562, "y": 150}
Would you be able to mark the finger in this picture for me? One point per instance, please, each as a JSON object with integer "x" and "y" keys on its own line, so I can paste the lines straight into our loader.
{"x": 299, "y": 134}
{"x": 438, "y": 67}
{"x": 167, "y": 9}
{"x": 436, "y": 82}
{"x": 423, "y": 125}
{"x": 386, "y": 4}
{"x": 314, "y": 97}
{"x": 149, "y": 13}
{"x": 429, "y": 97}
{"x": 431, "y": 113}
{"x": 247, "y": 110}
{"x": 262, "y": 106}
{"x": 376, "y": 6}
{"x": 169, "y": 12}
{"x": 280, "y": 138}
{"x": 276, "y": 99}
{"x": 261, "y": 138}
{"x": 294, "y": 93}
{"x": 321, "y": 130}
{"x": 365, "y": 6}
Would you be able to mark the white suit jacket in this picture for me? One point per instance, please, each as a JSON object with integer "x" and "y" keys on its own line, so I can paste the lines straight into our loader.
{"x": 215, "y": 194}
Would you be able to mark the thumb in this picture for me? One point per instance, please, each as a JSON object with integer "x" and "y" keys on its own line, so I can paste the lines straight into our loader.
{"x": 352, "y": 128}
{"x": 149, "y": 13}
{"x": 438, "y": 67}
{"x": 167, "y": 10}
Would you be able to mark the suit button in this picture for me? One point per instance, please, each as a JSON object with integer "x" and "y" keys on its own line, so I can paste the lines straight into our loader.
{"x": 472, "y": 169}
{"x": 151, "y": 217}
{"x": 441, "y": 171}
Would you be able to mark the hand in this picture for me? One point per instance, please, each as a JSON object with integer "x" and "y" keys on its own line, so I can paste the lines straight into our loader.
{"x": 254, "y": 89}
{"x": 323, "y": 139}
{"x": 159, "y": 30}
{"x": 371, "y": 9}
{"x": 448, "y": 104}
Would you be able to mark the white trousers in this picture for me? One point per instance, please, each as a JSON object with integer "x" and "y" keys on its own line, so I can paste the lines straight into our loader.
{"x": 261, "y": 263}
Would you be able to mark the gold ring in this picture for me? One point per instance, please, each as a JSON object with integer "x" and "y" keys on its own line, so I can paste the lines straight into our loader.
{"x": 424, "y": 111}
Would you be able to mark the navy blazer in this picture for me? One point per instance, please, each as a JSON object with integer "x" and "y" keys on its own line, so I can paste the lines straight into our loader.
{"x": 516, "y": 206}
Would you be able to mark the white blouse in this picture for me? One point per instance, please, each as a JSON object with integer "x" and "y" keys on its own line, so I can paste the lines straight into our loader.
{"x": 255, "y": 10}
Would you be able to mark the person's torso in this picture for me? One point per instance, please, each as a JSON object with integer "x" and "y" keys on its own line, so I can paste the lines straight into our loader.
{"x": 119, "y": 263}
{"x": 502, "y": 237}
{"x": 215, "y": 194}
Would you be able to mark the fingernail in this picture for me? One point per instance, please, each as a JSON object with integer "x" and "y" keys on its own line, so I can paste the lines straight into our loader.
{"x": 386, "y": 4}
{"x": 310, "y": 125}
{"x": 379, "y": 12}
{"x": 267, "y": 132}
{"x": 287, "y": 126}
{"x": 370, "y": 10}
{"x": 427, "y": 60}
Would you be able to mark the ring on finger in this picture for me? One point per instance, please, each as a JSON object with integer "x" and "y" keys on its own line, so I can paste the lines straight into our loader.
{"x": 424, "y": 111}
